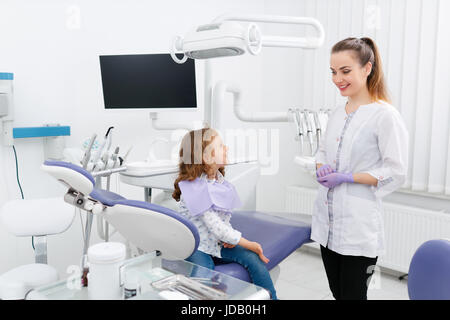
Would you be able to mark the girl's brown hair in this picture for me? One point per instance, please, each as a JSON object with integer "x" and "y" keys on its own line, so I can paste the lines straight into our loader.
{"x": 367, "y": 51}
{"x": 191, "y": 164}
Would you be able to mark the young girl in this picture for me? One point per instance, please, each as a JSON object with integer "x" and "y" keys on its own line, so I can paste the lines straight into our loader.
{"x": 207, "y": 200}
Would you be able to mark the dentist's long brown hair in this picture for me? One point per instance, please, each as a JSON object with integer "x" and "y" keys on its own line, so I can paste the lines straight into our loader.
{"x": 367, "y": 51}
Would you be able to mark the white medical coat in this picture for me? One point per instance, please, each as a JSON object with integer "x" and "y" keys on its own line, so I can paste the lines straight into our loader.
{"x": 373, "y": 139}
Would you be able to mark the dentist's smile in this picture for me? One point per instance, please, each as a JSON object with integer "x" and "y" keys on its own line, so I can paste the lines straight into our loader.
{"x": 342, "y": 88}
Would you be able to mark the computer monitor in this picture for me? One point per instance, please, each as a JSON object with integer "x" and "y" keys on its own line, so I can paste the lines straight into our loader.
{"x": 148, "y": 81}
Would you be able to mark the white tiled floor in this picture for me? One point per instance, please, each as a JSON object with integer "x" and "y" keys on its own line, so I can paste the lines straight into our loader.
{"x": 302, "y": 276}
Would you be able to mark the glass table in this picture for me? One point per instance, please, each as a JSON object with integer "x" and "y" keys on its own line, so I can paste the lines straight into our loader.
{"x": 152, "y": 273}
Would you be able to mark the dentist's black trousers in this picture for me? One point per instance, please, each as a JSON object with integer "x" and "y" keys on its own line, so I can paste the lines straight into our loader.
{"x": 348, "y": 276}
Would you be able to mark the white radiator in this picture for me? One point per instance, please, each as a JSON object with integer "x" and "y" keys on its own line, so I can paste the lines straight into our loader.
{"x": 406, "y": 227}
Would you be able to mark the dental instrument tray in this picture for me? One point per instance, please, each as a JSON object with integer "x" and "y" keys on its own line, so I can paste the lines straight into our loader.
{"x": 192, "y": 288}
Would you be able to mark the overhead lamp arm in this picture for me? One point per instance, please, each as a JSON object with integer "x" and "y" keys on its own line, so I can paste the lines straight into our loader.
{"x": 280, "y": 41}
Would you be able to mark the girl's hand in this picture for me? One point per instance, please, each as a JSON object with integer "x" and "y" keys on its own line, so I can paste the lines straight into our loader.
{"x": 256, "y": 248}
{"x": 227, "y": 245}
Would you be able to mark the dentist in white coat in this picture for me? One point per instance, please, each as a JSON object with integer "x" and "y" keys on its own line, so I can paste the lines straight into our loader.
{"x": 362, "y": 158}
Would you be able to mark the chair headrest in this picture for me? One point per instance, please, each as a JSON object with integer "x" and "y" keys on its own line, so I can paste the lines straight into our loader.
{"x": 71, "y": 175}
{"x": 37, "y": 217}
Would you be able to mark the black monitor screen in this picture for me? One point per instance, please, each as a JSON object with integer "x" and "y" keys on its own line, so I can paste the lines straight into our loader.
{"x": 147, "y": 81}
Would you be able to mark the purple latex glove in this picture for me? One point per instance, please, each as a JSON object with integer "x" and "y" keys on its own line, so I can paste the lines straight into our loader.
{"x": 334, "y": 179}
{"x": 324, "y": 170}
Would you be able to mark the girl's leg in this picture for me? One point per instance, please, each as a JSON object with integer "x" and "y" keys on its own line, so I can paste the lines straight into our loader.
{"x": 255, "y": 267}
{"x": 202, "y": 259}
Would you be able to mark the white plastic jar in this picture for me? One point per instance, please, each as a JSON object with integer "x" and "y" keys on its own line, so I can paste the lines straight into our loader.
{"x": 105, "y": 260}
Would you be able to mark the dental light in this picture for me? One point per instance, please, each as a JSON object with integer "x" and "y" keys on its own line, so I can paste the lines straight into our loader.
{"x": 218, "y": 40}
{"x": 225, "y": 37}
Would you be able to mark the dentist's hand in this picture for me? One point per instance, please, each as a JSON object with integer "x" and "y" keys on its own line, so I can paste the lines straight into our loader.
{"x": 334, "y": 179}
{"x": 324, "y": 170}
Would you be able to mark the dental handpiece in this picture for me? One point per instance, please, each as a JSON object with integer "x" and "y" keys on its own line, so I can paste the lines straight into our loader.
{"x": 109, "y": 135}
{"x": 87, "y": 154}
{"x": 301, "y": 133}
{"x": 115, "y": 157}
{"x": 318, "y": 130}
{"x": 97, "y": 156}
{"x": 122, "y": 160}
{"x": 296, "y": 122}
{"x": 105, "y": 160}
{"x": 100, "y": 150}
{"x": 308, "y": 130}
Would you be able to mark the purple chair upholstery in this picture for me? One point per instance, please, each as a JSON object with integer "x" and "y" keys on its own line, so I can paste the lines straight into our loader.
{"x": 429, "y": 271}
{"x": 279, "y": 237}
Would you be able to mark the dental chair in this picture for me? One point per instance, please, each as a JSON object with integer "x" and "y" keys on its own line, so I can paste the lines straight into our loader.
{"x": 429, "y": 271}
{"x": 152, "y": 227}
{"x": 37, "y": 218}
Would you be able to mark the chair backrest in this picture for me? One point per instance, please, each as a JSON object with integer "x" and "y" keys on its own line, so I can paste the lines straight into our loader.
{"x": 429, "y": 271}
{"x": 152, "y": 227}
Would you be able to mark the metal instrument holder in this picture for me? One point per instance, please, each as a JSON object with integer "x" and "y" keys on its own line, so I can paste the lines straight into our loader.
{"x": 89, "y": 205}
{"x": 308, "y": 124}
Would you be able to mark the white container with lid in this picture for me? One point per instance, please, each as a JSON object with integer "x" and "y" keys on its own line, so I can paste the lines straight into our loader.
{"x": 105, "y": 260}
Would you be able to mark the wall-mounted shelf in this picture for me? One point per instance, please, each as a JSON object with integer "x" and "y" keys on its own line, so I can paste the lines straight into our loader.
{"x": 53, "y": 138}
{"x": 6, "y": 76}
{"x": 45, "y": 131}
